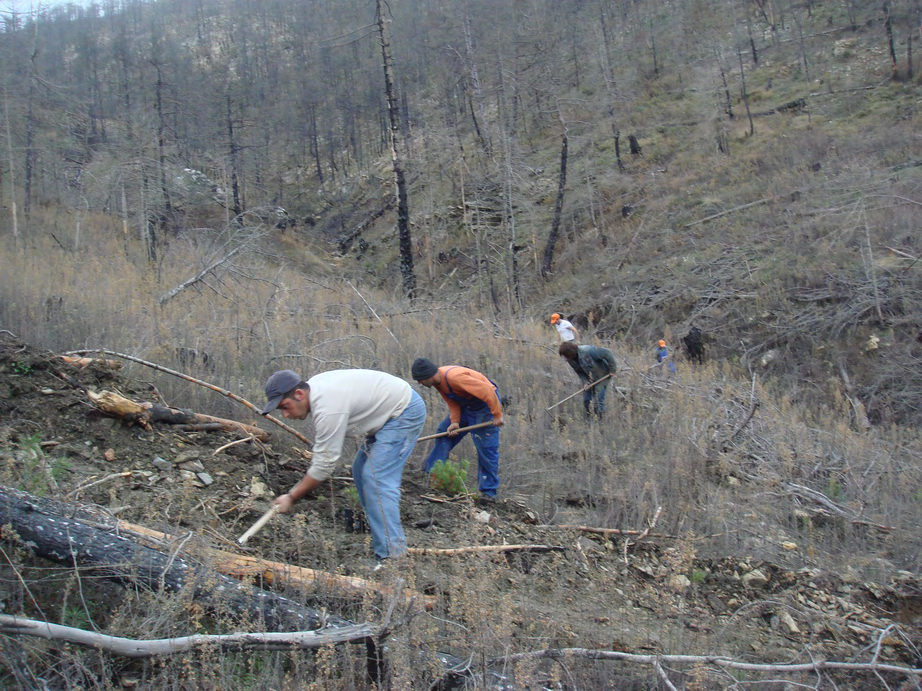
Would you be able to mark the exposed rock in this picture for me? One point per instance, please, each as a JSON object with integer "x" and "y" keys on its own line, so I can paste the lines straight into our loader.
{"x": 755, "y": 579}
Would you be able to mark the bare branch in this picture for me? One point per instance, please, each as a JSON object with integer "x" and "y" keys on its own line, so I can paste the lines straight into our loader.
{"x": 718, "y": 661}
{"x": 131, "y": 647}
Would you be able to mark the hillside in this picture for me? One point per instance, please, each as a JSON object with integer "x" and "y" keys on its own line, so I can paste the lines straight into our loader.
{"x": 653, "y": 594}
{"x": 770, "y": 195}
{"x": 209, "y": 187}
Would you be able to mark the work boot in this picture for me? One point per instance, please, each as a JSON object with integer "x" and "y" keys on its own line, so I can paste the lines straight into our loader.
{"x": 485, "y": 500}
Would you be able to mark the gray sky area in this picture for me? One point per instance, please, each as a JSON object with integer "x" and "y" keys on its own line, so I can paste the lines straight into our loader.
{"x": 26, "y": 5}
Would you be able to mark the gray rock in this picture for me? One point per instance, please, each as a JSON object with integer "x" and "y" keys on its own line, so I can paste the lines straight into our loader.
{"x": 194, "y": 466}
{"x": 162, "y": 464}
{"x": 755, "y": 579}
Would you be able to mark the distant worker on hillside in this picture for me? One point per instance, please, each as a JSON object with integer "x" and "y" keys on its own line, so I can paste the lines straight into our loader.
{"x": 381, "y": 409}
{"x": 662, "y": 355}
{"x": 694, "y": 345}
{"x": 594, "y": 366}
{"x": 565, "y": 330}
{"x": 472, "y": 399}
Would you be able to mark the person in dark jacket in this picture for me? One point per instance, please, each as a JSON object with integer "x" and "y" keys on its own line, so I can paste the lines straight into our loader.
{"x": 591, "y": 364}
{"x": 694, "y": 345}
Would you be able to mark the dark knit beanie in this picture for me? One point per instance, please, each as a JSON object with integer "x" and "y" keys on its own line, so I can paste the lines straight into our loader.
{"x": 423, "y": 369}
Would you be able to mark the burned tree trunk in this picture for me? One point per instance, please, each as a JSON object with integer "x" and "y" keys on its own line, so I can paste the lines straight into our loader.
{"x": 617, "y": 135}
{"x": 558, "y": 209}
{"x": 51, "y": 530}
{"x": 397, "y": 153}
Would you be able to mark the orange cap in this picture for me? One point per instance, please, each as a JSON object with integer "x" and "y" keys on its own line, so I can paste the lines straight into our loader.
{"x": 662, "y": 344}
{"x": 555, "y": 318}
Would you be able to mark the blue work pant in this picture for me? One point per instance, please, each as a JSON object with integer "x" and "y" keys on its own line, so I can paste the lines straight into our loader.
{"x": 378, "y": 470}
{"x": 486, "y": 441}
{"x": 598, "y": 392}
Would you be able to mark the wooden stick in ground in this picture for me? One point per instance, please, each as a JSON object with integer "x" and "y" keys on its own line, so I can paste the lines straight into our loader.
{"x": 488, "y": 423}
{"x": 217, "y": 389}
{"x": 589, "y": 386}
{"x": 256, "y": 527}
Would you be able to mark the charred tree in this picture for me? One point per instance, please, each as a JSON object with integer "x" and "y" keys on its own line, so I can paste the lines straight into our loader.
{"x": 233, "y": 155}
{"x": 617, "y": 135}
{"x": 396, "y": 140}
{"x": 744, "y": 94}
{"x": 558, "y": 209}
{"x": 888, "y": 25}
{"x": 62, "y": 533}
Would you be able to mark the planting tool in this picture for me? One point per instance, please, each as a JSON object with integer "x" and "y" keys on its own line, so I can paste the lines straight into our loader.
{"x": 256, "y": 527}
{"x": 460, "y": 429}
{"x": 589, "y": 386}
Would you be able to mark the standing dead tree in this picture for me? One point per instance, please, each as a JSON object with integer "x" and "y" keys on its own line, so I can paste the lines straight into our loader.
{"x": 558, "y": 208}
{"x": 397, "y": 146}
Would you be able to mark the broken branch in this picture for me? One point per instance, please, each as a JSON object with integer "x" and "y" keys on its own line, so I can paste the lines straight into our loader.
{"x": 131, "y": 647}
{"x": 217, "y": 389}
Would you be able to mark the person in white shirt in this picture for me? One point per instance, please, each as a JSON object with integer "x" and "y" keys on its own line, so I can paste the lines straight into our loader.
{"x": 379, "y": 407}
{"x": 565, "y": 330}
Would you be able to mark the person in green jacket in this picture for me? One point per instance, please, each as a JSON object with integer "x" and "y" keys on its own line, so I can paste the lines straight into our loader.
{"x": 591, "y": 364}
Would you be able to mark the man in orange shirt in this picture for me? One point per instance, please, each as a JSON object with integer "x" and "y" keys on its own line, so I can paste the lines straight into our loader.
{"x": 472, "y": 399}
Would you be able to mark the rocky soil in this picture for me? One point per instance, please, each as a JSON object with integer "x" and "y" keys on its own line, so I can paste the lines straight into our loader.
{"x": 593, "y": 593}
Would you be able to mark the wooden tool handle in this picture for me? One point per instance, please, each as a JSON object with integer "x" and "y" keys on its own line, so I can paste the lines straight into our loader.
{"x": 256, "y": 527}
{"x": 597, "y": 381}
{"x": 460, "y": 429}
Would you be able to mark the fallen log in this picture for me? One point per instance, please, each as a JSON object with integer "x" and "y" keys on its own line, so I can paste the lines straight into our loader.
{"x": 82, "y": 362}
{"x": 590, "y": 529}
{"x": 874, "y": 667}
{"x": 277, "y": 574}
{"x": 51, "y": 530}
{"x": 48, "y": 529}
{"x": 145, "y": 413}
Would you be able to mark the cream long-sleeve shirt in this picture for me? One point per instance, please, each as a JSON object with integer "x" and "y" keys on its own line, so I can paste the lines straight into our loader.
{"x": 354, "y": 402}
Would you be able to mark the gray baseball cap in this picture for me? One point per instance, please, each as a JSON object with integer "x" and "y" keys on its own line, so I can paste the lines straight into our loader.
{"x": 279, "y": 384}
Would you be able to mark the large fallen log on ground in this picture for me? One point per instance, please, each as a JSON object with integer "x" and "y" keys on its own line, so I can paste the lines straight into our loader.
{"x": 275, "y": 572}
{"x": 62, "y": 533}
{"x": 47, "y": 529}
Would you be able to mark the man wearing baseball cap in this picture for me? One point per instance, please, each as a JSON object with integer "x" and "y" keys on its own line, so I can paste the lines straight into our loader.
{"x": 384, "y": 411}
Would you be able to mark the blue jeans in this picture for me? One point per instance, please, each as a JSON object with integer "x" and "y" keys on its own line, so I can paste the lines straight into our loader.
{"x": 598, "y": 391}
{"x": 486, "y": 441}
{"x": 378, "y": 470}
